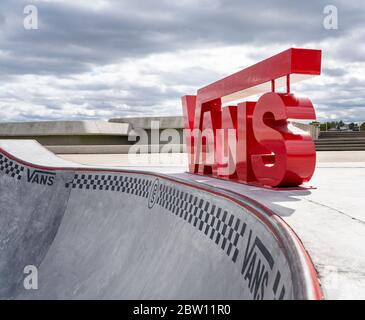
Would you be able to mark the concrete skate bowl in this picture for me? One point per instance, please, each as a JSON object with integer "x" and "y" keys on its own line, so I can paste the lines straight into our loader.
{"x": 116, "y": 234}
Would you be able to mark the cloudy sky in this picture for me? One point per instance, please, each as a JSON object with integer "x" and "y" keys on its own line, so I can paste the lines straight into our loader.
{"x": 106, "y": 58}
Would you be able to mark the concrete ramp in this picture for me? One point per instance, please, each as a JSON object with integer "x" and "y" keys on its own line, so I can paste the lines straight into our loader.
{"x": 101, "y": 233}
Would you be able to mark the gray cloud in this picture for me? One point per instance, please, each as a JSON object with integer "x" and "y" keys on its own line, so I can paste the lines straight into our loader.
{"x": 333, "y": 72}
{"x": 75, "y": 39}
{"x": 70, "y": 37}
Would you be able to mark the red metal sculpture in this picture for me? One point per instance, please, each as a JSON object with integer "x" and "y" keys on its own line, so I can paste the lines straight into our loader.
{"x": 253, "y": 142}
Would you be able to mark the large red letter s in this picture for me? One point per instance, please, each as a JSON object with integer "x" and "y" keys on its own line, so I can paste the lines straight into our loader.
{"x": 291, "y": 157}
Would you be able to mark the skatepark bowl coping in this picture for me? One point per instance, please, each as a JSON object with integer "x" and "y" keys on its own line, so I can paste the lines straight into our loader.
{"x": 103, "y": 233}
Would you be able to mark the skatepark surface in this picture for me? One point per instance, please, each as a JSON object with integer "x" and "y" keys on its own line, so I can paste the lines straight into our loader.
{"x": 157, "y": 232}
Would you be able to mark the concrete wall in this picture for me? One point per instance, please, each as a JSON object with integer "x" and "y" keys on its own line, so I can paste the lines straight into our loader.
{"x": 172, "y": 122}
{"x": 94, "y": 137}
{"x": 312, "y": 130}
{"x": 115, "y": 136}
{"x": 68, "y": 133}
{"x": 114, "y": 149}
{"x": 75, "y": 140}
{"x": 158, "y": 124}
{"x": 63, "y": 128}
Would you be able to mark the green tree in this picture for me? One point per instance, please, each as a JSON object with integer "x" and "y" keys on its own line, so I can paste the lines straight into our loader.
{"x": 354, "y": 126}
{"x": 322, "y": 127}
{"x": 340, "y": 124}
{"x": 332, "y": 124}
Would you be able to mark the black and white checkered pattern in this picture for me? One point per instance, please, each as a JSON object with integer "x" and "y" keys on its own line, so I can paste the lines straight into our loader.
{"x": 10, "y": 167}
{"x": 135, "y": 186}
{"x": 220, "y": 226}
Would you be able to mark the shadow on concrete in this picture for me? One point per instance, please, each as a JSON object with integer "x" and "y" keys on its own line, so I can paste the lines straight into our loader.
{"x": 283, "y": 202}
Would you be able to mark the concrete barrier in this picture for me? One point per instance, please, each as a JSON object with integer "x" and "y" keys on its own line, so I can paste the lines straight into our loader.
{"x": 167, "y": 122}
{"x": 312, "y": 130}
{"x": 115, "y": 149}
{"x": 105, "y": 233}
{"x": 63, "y": 128}
{"x": 68, "y": 133}
{"x": 101, "y": 137}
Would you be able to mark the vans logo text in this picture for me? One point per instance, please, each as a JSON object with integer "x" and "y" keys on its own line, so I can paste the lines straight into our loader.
{"x": 257, "y": 264}
{"x": 41, "y": 177}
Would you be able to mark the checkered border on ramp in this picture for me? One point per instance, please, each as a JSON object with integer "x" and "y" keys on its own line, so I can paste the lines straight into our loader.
{"x": 219, "y": 225}
{"x": 132, "y": 185}
{"x": 10, "y": 167}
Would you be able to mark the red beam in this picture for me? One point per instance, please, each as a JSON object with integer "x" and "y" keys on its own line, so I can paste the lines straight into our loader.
{"x": 300, "y": 63}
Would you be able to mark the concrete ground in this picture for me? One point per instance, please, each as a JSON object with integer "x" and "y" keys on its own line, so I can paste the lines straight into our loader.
{"x": 329, "y": 218}
{"x": 176, "y": 160}
{"x": 180, "y": 159}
